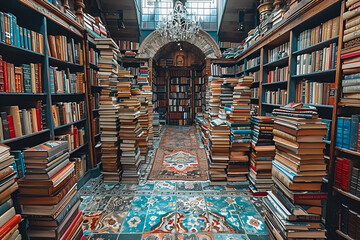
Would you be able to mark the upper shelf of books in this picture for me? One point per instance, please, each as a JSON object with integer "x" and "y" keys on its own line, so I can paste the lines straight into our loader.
{"x": 305, "y": 15}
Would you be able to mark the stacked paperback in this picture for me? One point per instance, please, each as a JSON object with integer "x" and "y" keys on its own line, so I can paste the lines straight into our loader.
{"x": 262, "y": 154}
{"x": 219, "y": 146}
{"x": 294, "y": 206}
{"x": 48, "y": 193}
{"x": 351, "y": 17}
{"x": 108, "y": 110}
{"x": 215, "y": 92}
{"x": 130, "y": 132}
{"x": 239, "y": 122}
{"x": 9, "y": 220}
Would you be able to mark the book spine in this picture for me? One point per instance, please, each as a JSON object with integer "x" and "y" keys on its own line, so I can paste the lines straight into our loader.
{"x": 339, "y": 132}
{"x": 346, "y": 133}
{"x": 354, "y": 132}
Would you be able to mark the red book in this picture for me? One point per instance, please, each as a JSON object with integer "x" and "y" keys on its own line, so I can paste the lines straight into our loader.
{"x": 75, "y": 134}
{"x": 253, "y": 168}
{"x": 338, "y": 172}
{"x": 346, "y": 174}
{"x": 9, "y": 225}
{"x": 358, "y": 145}
{"x": 310, "y": 196}
{"x": 82, "y": 238}
{"x": 2, "y": 84}
{"x": 6, "y": 88}
{"x": 38, "y": 119}
{"x": 332, "y": 94}
{"x": 72, "y": 225}
{"x": 11, "y": 126}
{"x": 350, "y": 55}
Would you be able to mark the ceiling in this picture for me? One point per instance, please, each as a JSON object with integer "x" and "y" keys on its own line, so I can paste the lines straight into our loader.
{"x": 108, "y": 11}
{"x": 228, "y": 31}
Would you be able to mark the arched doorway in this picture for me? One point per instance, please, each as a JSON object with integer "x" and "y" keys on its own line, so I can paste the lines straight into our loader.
{"x": 179, "y": 82}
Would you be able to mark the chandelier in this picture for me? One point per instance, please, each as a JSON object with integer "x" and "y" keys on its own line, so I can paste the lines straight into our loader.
{"x": 179, "y": 25}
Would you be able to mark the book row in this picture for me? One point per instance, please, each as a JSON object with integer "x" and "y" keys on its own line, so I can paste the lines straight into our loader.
{"x": 253, "y": 62}
{"x": 320, "y": 60}
{"x": 347, "y": 132}
{"x": 16, "y": 122}
{"x": 276, "y": 97}
{"x": 180, "y": 88}
{"x": 278, "y": 52}
{"x": 62, "y": 81}
{"x": 180, "y": 80}
{"x": 12, "y": 33}
{"x": 278, "y": 74}
{"x": 20, "y": 79}
{"x": 74, "y": 136}
{"x": 67, "y": 112}
{"x": 323, "y": 32}
{"x": 65, "y": 49}
{"x": 179, "y": 95}
{"x": 315, "y": 93}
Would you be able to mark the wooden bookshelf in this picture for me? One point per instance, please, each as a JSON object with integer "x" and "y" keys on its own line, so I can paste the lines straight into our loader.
{"x": 346, "y": 194}
{"x": 341, "y": 234}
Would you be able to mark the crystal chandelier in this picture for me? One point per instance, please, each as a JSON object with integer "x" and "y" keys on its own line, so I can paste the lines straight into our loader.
{"x": 179, "y": 25}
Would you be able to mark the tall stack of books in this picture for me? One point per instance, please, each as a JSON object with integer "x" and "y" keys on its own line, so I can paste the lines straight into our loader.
{"x": 239, "y": 122}
{"x": 215, "y": 92}
{"x": 156, "y": 125}
{"x": 352, "y": 20}
{"x": 147, "y": 92}
{"x": 143, "y": 76}
{"x": 48, "y": 193}
{"x": 262, "y": 154}
{"x": 219, "y": 146}
{"x": 108, "y": 110}
{"x": 9, "y": 223}
{"x": 130, "y": 132}
{"x": 294, "y": 205}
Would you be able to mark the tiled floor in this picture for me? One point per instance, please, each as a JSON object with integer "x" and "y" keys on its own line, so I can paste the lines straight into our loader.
{"x": 169, "y": 210}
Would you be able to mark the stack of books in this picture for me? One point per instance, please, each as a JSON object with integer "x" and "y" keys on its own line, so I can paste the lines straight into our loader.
{"x": 48, "y": 193}
{"x": 203, "y": 124}
{"x": 156, "y": 125}
{"x": 294, "y": 207}
{"x": 130, "y": 132}
{"x": 226, "y": 96}
{"x": 108, "y": 110}
{"x": 123, "y": 87}
{"x": 351, "y": 18}
{"x": 215, "y": 92}
{"x": 147, "y": 93}
{"x": 239, "y": 122}
{"x": 219, "y": 146}
{"x": 262, "y": 154}
{"x": 9, "y": 223}
{"x": 350, "y": 87}
{"x": 142, "y": 78}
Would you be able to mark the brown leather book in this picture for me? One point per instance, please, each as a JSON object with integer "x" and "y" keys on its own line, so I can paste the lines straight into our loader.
{"x": 48, "y": 200}
{"x": 6, "y": 172}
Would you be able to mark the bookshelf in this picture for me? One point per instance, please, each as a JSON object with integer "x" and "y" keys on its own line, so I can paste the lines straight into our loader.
{"x": 46, "y": 19}
{"x": 280, "y": 50}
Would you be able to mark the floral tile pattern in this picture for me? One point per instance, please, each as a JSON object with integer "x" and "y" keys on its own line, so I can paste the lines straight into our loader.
{"x": 169, "y": 210}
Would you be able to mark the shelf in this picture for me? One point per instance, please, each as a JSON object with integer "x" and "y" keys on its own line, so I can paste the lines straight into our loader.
{"x": 326, "y": 73}
{"x": 95, "y": 110}
{"x": 319, "y": 105}
{"x": 238, "y": 73}
{"x": 78, "y": 148}
{"x": 254, "y": 99}
{"x": 67, "y": 94}
{"x": 97, "y": 135}
{"x": 13, "y": 52}
{"x": 93, "y": 66}
{"x": 277, "y": 63}
{"x": 255, "y": 84}
{"x": 96, "y": 87}
{"x": 11, "y": 140}
{"x": 348, "y": 151}
{"x": 271, "y": 105}
{"x": 54, "y": 62}
{"x": 8, "y": 94}
{"x": 347, "y": 194}
{"x": 327, "y": 141}
{"x": 348, "y": 105}
{"x": 317, "y": 46}
{"x": 69, "y": 124}
{"x": 340, "y": 233}
{"x": 275, "y": 84}
{"x": 253, "y": 69}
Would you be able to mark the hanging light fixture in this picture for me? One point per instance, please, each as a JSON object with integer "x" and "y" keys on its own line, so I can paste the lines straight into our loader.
{"x": 179, "y": 25}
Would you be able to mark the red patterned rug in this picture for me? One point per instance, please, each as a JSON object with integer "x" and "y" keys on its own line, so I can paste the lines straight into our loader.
{"x": 180, "y": 164}
{"x": 179, "y": 138}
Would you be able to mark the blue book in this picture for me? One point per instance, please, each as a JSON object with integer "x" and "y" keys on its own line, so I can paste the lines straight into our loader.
{"x": 354, "y": 132}
{"x": 26, "y": 43}
{"x": 27, "y": 78}
{"x": 352, "y": 76}
{"x": 28, "y": 36}
{"x": 346, "y": 132}
{"x": 2, "y": 26}
{"x": 6, "y": 206}
{"x": 18, "y": 36}
{"x": 333, "y": 56}
{"x": 52, "y": 80}
{"x": 242, "y": 131}
{"x": 21, "y": 34}
{"x": 20, "y": 162}
{"x": 339, "y": 132}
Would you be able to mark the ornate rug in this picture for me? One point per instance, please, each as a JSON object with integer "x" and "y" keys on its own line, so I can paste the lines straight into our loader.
{"x": 175, "y": 137}
{"x": 188, "y": 164}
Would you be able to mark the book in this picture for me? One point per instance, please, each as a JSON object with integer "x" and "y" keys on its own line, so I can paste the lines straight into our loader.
{"x": 46, "y": 149}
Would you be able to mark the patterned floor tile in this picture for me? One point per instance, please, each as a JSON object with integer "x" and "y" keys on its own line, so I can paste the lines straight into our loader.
{"x": 90, "y": 222}
{"x": 194, "y": 236}
{"x": 195, "y": 222}
{"x": 253, "y": 223}
{"x": 164, "y": 186}
{"x": 128, "y": 187}
{"x": 97, "y": 203}
{"x": 146, "y": 187}
{"x": 207, "y": 187}
{"x": 129, "y": 236}
{"x": 140, "y": 203}
{"x": 119, "y": 204}
{"x": 191, "y": 204}
{"x": 188, "y": 186}
{"x": 161, "y": 221}
{"x": 225, "y": 222}
{"x": 258, "y": 237}
{"x": 110, "y": 222}
{"x": 158, "y": 236}
{"x": 84, "y": 201}
{"x": 134, "y": 222}
{"x": 219, "y": 236}
{"x": 103, "y": 236}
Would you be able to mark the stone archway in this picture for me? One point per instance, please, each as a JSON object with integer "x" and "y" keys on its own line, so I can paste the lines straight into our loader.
{"x": 202, "y": 40}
